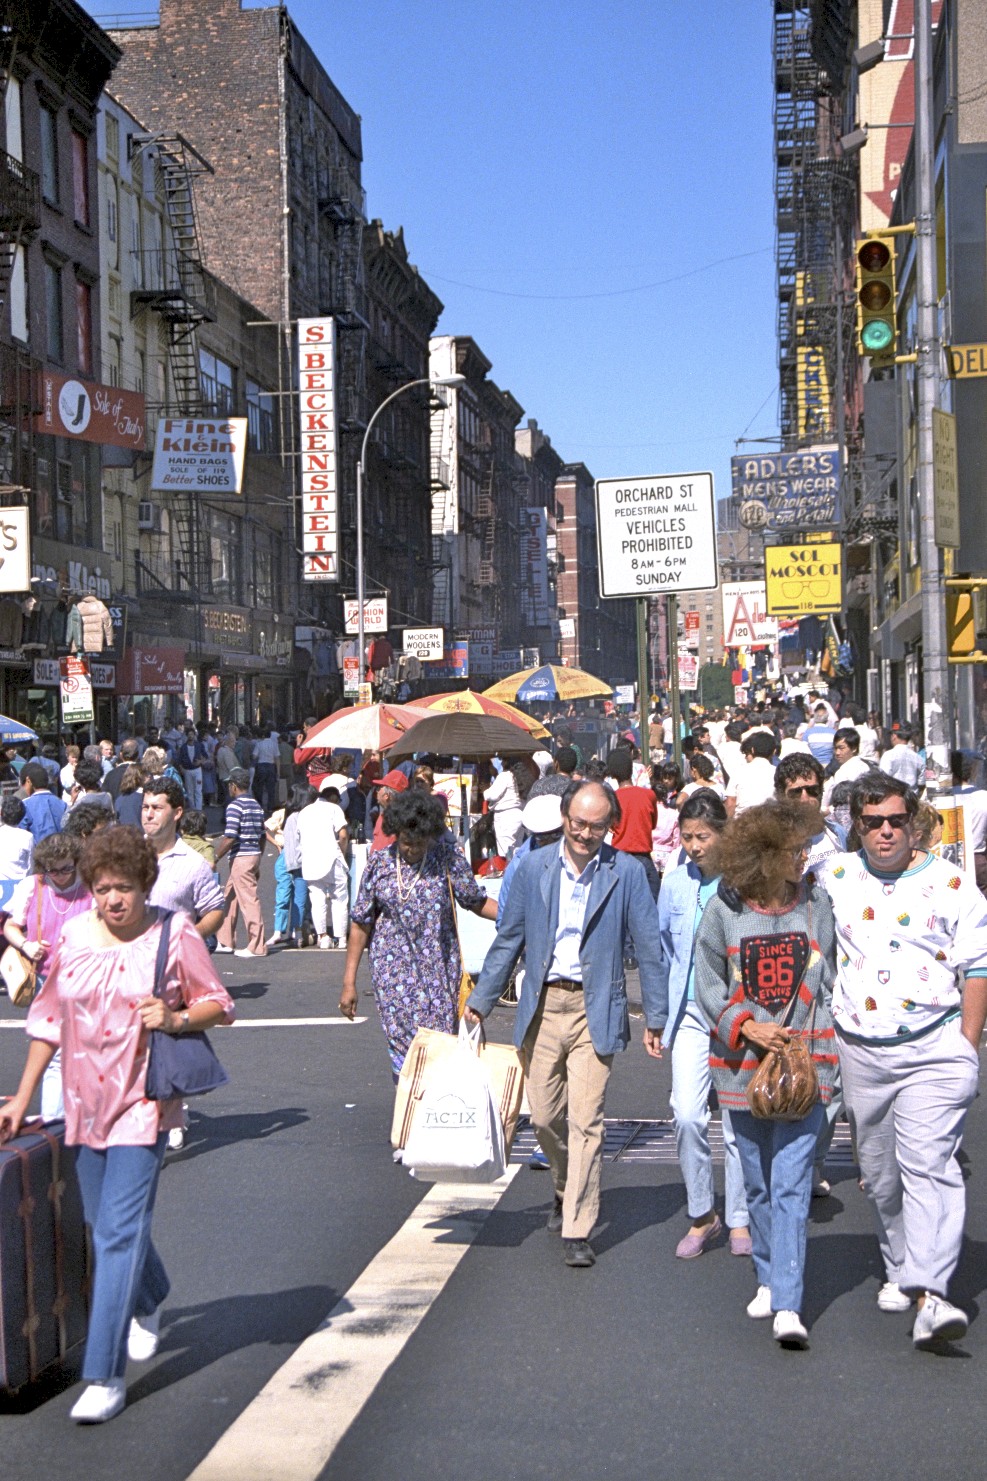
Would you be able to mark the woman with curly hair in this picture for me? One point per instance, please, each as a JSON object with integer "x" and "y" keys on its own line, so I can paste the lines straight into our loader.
{"x": 766, "y": 951}
{"x": 96, "y": 1004}
{"x": 405, "y": 903}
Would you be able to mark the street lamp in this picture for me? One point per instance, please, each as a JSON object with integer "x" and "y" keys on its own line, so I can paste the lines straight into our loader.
{"x": 439, "y": 380}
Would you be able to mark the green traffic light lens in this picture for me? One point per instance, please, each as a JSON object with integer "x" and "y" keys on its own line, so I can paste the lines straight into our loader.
{"x": 877, "y": 335}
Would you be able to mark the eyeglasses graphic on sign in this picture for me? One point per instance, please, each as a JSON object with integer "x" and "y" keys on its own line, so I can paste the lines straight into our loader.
{"x": 793, "y": 590}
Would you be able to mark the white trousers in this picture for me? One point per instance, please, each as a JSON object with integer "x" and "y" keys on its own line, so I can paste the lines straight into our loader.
{"x": 332, "y": 890}
{"x": 691, "y": 1084}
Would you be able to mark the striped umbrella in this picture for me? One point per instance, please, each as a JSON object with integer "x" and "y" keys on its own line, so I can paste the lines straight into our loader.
{"x": 468, "y": 702}
{"x": 550, "y": 682}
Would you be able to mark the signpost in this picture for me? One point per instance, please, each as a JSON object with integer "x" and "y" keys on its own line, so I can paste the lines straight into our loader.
{"x": 656, "y": 536}
{"x": 946, "y": 479}
{"x": 76, "y": 691}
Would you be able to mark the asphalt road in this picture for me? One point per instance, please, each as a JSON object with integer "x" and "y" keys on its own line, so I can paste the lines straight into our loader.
{"x": 520, "y": 1367}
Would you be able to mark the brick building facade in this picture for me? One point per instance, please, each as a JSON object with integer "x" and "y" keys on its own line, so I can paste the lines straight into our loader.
{"x": 597, "y": 635}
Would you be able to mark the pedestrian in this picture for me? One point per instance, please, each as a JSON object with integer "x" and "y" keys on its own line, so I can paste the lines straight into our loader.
{"x": 265, "y": 756}
{"x": 130, "y": 796}
{"x": 910, "y": 1003}
{"x": 504, "y": 801}
{"x": 185, "y": 882}
{"x": 683, "y": 1029}
{"x": 107, "y": 752}
{"x": 404, "y": 912}
{"x": 633, "y": 835}
{"x": 850, "y": 765}
{"x": 765, "y": 951}
{"x": 130, "y": 752}
{"x": 291, "y": 901}
{"x": 189, "y": 757}
{"x": 572, "y": 911}
{"x": 243, "y": 840}
{"x": 754, "y": 782}
{"x": 39, "y": 909}
{"x": 819, "y": 735}
{"x": 902, "y": 760}
{"x": 209, "y": 746}
{"x": 323, "y": 839}
{"x": 97, "y": 992}
{"x": 43, "y": 812}
{"x": 16, "y": 843}
{"x": 66, "y": 777}
{"x": 390, "y": 785}
{"x": 88, "y": 786}
{"x": 973, "y": 801}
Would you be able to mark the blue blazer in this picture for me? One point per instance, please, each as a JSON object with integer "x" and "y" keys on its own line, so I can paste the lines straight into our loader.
{"x": 619, "y": 906}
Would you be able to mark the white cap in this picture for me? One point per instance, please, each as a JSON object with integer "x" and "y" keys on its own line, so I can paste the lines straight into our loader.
{"x": 543, "y": 761}
{"x": 543, "y": 814}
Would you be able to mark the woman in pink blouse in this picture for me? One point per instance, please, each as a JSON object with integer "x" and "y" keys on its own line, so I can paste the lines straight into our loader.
{"x": 95, "y": 1005}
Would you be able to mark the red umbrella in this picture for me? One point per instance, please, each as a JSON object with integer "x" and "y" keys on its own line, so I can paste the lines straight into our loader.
{"x": 358, "y": 728}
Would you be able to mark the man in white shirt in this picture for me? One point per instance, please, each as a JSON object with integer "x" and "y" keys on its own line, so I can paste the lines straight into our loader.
{"x": 754, "y": 782}
{"x": 846, "y": 743}
{"x": 909, "y": 1004}
{"x": 902, "y": 761}
{"x": 731, "y": 757}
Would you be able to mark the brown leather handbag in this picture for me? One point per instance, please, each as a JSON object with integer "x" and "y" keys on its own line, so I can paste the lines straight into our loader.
{"x": 785, "y": 1086}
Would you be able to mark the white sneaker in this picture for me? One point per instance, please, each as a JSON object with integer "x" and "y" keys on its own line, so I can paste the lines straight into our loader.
{"x": 142, "y": 1339}
{"x": 176, "y": 1139}
{"x": 275, "y": 939}
{"x": 938, "y": 1321}
{"x": 99, "y": 1402}
{"x": 760, "y": 1307}
{"x": 325, "y": 943}
{"x": 789, "y": 1331}
{"x": 223, "y": 950}
{"x": 821, "y": 1186}
{"x": 245, "y": 951}
{"x": 892, "y": 1298}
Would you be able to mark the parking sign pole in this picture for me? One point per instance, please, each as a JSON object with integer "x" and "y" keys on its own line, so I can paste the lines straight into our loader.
{"x": 643, "y": 693}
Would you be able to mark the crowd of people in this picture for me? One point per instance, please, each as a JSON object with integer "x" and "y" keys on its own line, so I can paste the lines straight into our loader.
{"x": 781, "y": 889}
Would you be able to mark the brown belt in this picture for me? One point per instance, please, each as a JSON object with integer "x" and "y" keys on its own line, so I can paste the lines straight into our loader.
{"x": 566, "y": 982}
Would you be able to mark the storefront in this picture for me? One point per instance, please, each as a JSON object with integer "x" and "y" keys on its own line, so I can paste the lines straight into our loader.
{"x": 151, "y": 687}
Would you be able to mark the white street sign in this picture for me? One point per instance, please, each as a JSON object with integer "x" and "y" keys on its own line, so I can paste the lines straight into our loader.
{"x": 15, "y": 549}
{"x": 656, "y": 534}
{"x": 424, "y": 643}
{"x": 374, "y": 615}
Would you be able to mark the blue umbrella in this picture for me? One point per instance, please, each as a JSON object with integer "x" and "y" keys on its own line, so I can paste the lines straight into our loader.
{"x": 13, "y": 733}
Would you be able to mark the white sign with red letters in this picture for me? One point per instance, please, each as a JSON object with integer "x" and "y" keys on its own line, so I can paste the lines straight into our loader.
{"x": 319, "y": 449}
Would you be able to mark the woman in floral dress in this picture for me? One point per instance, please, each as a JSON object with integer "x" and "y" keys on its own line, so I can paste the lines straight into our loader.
{"x": 404, "y": 904}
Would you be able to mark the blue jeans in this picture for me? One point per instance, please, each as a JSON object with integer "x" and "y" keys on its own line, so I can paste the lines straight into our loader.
{"x": 290, "y": 898}
{"x": 777, "y": 1160}
{"x": 691, "y": 1081}
{"x": 118, "y": 1189}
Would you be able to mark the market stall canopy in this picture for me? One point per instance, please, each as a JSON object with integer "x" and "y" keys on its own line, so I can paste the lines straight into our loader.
{"x": 468, "y": 702}
{"x": 551, "y": 681}
{"x": 470, "y": 737}
{"x": 13, "y": 733}
{"x": 358, "y": 728}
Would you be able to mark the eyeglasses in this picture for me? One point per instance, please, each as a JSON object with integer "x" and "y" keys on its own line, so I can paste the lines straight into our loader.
{"x": 870, "y": 822}
{"x": 800, "y": 789}
{"x": 59, "y": 869}
{"x": 579, "y": 825}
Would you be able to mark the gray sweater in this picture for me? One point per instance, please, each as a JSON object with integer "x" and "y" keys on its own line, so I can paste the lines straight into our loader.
{"x": 748, "y": 961}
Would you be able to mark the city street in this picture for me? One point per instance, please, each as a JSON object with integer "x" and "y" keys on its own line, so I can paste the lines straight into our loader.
{"x": 472, "y": 1349}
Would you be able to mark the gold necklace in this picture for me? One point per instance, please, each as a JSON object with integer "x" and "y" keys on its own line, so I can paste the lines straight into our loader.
{"x": 406, "y": 893}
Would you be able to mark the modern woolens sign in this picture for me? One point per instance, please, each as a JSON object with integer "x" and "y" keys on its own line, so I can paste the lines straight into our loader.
{"x": 656, "y": 534}
{"x": 803, "y": 579}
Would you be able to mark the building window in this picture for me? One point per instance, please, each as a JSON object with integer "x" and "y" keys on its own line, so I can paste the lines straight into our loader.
{"x": 225, "y": 556}
{"x": 217, "y": 383}
{"x": 260, "y": 419}
{"x": 63, "y": 499}
{"x": 49, "y": 155}
{"x": 111, "y": 212}
{"x": 18, "y": 296}
{"x": 12, "y": 113}
{"x": 112, "y": 137}
{"x": 55, "y": 328}
{"x": 80, "y": 177}
{"x": 84, "y": 326}
{"x": 115, "y": 360}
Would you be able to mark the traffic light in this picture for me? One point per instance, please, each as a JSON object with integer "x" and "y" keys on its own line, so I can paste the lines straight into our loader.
{"x": 877, "y": 326}
{"x": 960, "y": 624}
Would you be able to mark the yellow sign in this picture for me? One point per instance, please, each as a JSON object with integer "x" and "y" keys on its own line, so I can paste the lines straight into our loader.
{"x": 966, "y": 362}
{"x": 803, "y": 579}
{"x": 945, "y": 480}
{"x": 811, "y": 374}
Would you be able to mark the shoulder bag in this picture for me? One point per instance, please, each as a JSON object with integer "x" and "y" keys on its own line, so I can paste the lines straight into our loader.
{"x": 19, "y": 973}
{"x": 178, "y": 1065}
{"x": 466, "y": 982}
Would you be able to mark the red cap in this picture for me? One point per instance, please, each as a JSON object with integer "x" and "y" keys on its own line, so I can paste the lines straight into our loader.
{"x": 396, "y": 780}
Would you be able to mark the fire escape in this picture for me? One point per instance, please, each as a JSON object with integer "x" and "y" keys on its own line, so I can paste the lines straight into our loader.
{"x": 173, "y": 284}
{"x": 20, "y": 218}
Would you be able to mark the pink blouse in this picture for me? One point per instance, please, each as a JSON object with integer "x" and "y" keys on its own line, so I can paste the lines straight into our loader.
{"x": 88, "y": 1007}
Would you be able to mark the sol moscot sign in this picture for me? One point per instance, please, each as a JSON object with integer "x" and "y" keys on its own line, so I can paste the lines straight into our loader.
{"x": 804, "y": 579}
{"x": 319, "y": 449}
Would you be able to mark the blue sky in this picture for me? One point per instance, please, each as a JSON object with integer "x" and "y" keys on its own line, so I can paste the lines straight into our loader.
{"x": 549, "y": 161}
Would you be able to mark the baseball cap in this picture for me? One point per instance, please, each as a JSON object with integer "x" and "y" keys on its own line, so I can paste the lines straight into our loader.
{"x": 396, "y": 780}
{"x": 543, "y": 814}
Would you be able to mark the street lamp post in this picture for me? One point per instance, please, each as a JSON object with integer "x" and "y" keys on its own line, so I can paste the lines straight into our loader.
{"x": 439, "y": 380}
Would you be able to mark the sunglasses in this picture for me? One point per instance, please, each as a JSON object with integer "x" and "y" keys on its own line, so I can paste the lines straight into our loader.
{"x": 807, "y": 790}
{"x": 870, "y": 822}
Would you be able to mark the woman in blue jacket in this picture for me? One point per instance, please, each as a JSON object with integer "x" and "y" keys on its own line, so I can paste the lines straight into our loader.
{"x": 684, "y": 895}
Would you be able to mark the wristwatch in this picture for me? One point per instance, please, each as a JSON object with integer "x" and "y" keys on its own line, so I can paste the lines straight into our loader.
{"x": 184, "y": 1017}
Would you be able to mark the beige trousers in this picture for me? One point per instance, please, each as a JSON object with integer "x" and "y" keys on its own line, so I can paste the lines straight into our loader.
{"x": 567, "y": 1085}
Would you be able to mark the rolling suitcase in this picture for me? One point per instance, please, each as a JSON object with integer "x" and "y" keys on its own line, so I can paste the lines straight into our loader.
{"x": 43, "y": 1254}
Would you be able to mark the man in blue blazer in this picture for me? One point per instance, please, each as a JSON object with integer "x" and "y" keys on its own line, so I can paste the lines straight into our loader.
{"x": 571, "y": 911}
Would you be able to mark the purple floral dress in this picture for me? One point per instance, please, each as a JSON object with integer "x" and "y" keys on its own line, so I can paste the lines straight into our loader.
{"x": 414, "y": 954}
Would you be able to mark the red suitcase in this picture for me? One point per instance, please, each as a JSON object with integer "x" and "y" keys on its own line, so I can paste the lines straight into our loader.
{"x": 43, "y": 1254}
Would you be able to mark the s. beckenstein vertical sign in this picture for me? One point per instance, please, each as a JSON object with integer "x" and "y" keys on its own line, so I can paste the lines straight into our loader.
{"x": 319, "y": 449}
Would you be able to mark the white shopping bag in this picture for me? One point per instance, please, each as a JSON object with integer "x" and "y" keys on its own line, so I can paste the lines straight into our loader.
{"x": 457, "y": 1136}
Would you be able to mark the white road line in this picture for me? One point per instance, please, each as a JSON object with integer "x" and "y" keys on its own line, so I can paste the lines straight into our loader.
{"x": 292, "y": 1427}
{"x": 244, "y": 1022}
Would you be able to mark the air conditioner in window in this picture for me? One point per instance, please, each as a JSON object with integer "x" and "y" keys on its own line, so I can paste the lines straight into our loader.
{"x": 148, "y": 515}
